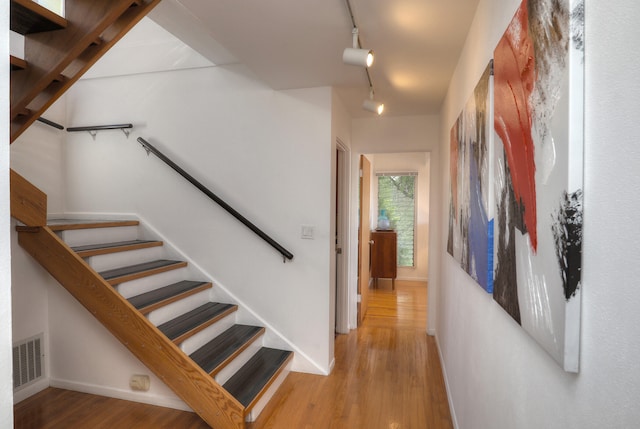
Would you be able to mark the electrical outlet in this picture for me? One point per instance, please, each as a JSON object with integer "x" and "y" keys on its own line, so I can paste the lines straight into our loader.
{"x": 140, "y": 382}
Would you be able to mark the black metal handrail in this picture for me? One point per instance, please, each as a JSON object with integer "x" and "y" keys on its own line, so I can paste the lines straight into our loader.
{"x": 50, "y": 123}
{"x": 100, "y": 127}
{"x": 151, "y": 149}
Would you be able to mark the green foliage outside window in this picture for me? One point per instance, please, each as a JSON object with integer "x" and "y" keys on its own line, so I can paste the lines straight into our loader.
{"x": 396, "y": 195}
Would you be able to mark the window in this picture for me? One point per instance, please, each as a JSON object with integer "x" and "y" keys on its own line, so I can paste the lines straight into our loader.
{"x": 396, "y": 195}
{"x": 56, "y": 6}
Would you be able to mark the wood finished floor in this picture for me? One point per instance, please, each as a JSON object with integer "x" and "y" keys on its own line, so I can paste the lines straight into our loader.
{"x": 387, "y": 375}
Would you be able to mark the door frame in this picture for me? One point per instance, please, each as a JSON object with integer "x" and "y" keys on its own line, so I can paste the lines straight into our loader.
{"x": 343, "y": 198}
{"x": 363, "y": 243}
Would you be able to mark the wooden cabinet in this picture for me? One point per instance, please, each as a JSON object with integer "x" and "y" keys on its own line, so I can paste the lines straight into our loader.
{"x": 384, "y": 256}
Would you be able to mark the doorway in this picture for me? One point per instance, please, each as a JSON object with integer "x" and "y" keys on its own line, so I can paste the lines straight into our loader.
{"x": 413, "y": 274}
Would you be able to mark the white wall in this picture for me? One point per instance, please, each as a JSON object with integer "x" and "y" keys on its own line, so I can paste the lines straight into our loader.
{"x": 497, "y": 376}
{"x": 36, "y": 155}
{"x": 265, "y": 152}
{"x": 403, "y": 134}
{"x": 408, "y": 162}
{"x": 6, "y": 379}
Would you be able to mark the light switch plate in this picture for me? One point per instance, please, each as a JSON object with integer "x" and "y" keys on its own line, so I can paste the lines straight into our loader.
{"x": 307, "y": 232}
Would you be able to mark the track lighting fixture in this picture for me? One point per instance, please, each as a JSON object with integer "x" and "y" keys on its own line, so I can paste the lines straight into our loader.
{"x": 357, "y": 56}
{"x": 371, "y": 105}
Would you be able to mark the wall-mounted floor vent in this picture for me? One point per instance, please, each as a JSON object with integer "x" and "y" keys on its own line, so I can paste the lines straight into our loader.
{"x": 27, "y": 362}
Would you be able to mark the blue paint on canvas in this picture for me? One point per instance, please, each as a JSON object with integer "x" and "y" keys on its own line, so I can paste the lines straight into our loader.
{"x": 470, "y": 239}
{"x": 480, "y": 247}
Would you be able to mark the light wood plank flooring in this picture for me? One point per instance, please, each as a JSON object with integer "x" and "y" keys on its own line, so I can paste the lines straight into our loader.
{"x": 387, "y": 375}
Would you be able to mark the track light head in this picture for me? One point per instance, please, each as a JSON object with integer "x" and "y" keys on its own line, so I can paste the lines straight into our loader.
{"x": 373, "y": 106}
{"x": 358, "y": 57}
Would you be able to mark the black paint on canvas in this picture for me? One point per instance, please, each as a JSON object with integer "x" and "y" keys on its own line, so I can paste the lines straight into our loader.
{"x": 509, "y": 218}
{"x": 567, "y": 233}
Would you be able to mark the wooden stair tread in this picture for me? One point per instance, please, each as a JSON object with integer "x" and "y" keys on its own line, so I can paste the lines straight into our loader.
{"x": 68, "y": 224}
{"x": 17, "y": 63}
{"x": 188, "y": 324}
{"x": 29, "y": 17}
{"x": 252, "y": 380}
{"x": 120, "y": 246}
{"x": 149, "y": 301}
{"x": 214, "y": 355}
{"x": 132, "y": 272}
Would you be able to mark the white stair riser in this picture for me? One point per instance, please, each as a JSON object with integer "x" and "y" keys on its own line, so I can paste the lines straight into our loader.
{"x": 123, "y": 259}
{"x": 171, "y": 311}
{"x": 254, "y": 413}
{"x": 192, "y": 344}
{"x": 233, "y": 366}
{"x": 146, "y": 284}
{"x": 81, "y": 237}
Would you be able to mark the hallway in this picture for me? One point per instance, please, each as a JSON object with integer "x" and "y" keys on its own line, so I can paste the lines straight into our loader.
{"x": 387, "y": 374}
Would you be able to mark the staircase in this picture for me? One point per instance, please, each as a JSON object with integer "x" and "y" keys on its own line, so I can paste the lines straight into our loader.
{"x": 217, "y": 366}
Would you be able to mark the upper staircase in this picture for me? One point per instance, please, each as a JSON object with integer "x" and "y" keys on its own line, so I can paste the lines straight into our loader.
{"x": 58, "y": 51}
{"x": 215, "y": 365}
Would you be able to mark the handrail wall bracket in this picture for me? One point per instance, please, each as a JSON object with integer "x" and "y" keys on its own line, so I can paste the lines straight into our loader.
{"x": 93, "y": 129}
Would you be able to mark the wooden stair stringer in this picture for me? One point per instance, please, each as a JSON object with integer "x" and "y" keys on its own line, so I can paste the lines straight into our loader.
{"x": 192, "y": 384}
{"x": 69, "y": 52}
{"x": 28, "y": 203}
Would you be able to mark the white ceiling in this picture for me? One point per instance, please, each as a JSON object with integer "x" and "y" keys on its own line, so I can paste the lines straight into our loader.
{"x": 298, "y": 44}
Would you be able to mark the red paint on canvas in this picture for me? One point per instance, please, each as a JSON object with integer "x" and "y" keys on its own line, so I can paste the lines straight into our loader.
{"x": 514, "y": 69}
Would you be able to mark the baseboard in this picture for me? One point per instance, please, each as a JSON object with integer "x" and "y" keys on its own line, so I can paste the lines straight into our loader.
{"x": 452, "y": 410}
{"x": 30, "y": 390}
{"x": 273, "y": 338}
{"x": 127, "y": 395}
{"x": 413, "y": 279}
{"x": 301, "y": 361}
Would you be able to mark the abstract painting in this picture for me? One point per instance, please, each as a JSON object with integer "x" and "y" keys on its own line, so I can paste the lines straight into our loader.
{"x": 471, "y": 204}
{"x": 538, "y": 101}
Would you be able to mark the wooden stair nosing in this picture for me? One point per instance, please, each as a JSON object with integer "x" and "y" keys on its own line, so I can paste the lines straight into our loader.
{"x": 60, "y": 78}
{"x": 120, "y": 246}
{"x": 24, "y": 112}
{"x": 54, "y": 86}
{"x": 147, "y": 302}
{"x": 194, "y": 321}
{"x": 221, "y": 350}
{"x": 132, "y": 272}
{"x": 69, "y": 224}
{"x": 17, "y": 63}
{"x": 254, "y": 378}
{"x": 29, "y": 17}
